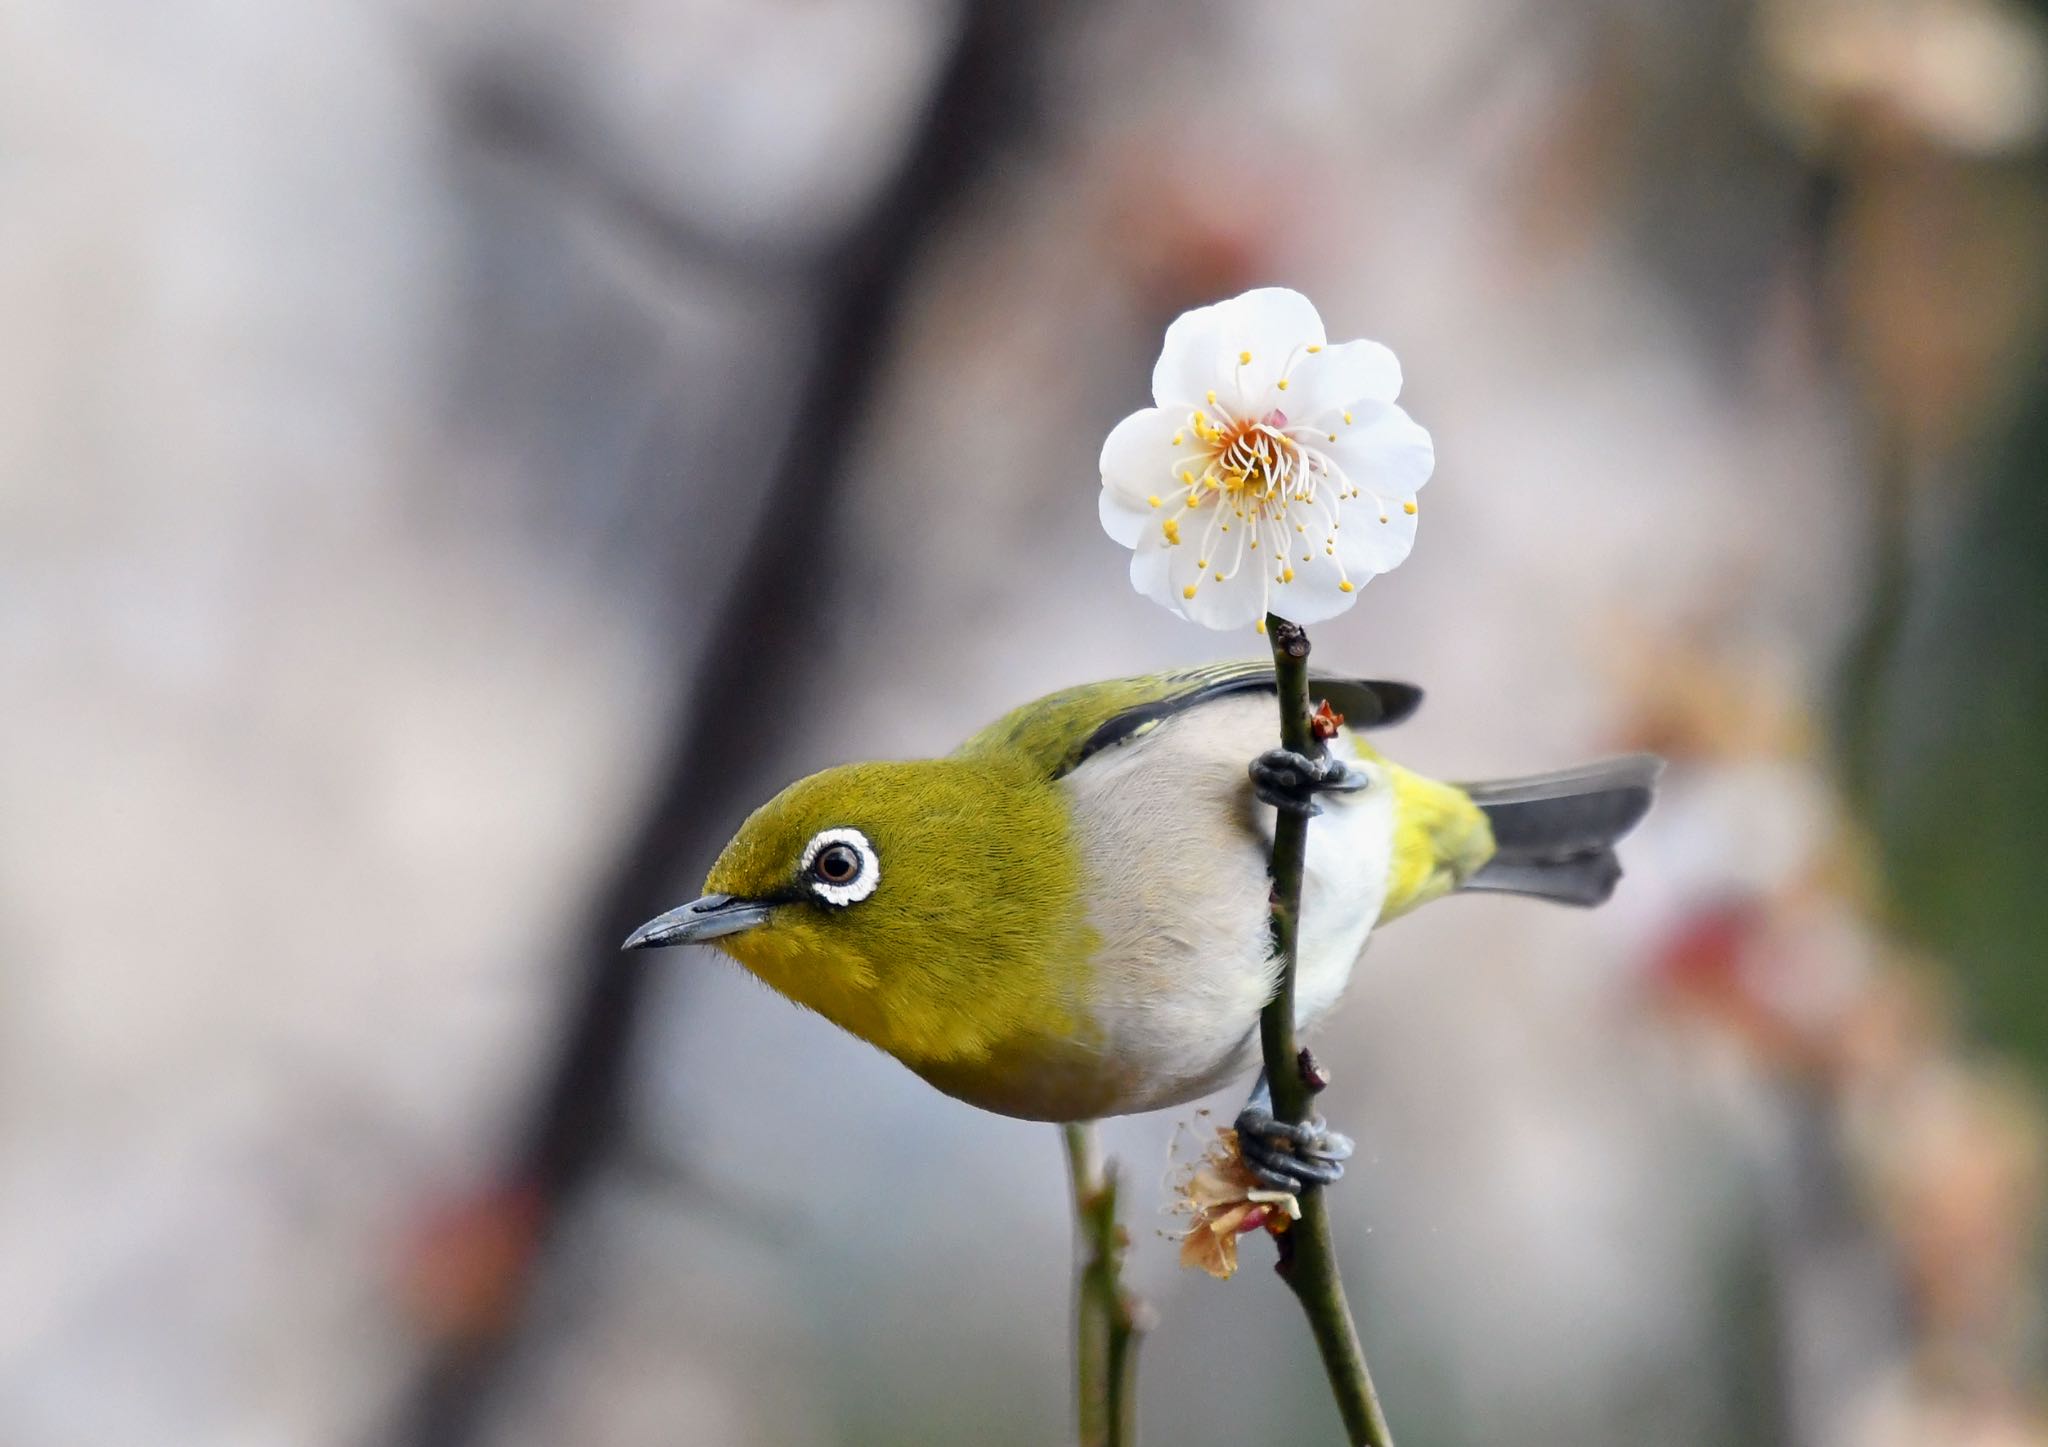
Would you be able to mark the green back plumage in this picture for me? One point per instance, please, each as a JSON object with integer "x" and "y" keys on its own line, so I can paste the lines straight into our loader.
{"x": 1057, "y": 733}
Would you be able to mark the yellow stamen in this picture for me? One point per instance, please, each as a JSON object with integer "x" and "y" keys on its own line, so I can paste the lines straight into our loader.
{"x": 1188, "y": 591}
{"x": 1345, "y": 587}
{"x": 1154, "y": 501}
{"x": 1171, "y": 527}
{"x": 1212, "y": 399}
{"x": 1244, "y": 359}
{"x": 1201, "y": 562}
{"x": 1408, "y": 508}
{"x": 1316, "y": 348}
{"x": 1180, "y": 437}
{"x": 1258, "y": 625}
{"x": 1287, "y": 575}
{"x": 1333, "y": 437}
{"x": 1347, "y": 419}
{"x": 1283, "y": 384}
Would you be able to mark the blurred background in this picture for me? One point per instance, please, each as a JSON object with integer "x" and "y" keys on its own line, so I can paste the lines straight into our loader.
{"x": 455, "y": 459}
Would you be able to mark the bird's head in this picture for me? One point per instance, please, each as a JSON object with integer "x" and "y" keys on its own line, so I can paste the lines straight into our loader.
{"x": 930, "y": 907}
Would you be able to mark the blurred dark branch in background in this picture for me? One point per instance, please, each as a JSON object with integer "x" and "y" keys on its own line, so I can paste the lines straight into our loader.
{"x": 506, "y": 110}
{"x": 765, "y": 633}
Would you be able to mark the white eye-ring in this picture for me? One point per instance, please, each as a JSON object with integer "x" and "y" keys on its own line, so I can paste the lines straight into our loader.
{"x": 841, "y": 867}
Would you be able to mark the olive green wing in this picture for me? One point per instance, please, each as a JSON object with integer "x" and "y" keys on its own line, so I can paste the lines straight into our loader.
{"x": 1059, "y": 732}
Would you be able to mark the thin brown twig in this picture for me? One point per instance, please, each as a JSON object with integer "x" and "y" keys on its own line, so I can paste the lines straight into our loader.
{"x": 1108, "y": 1319}
{"x": 1308, "y": 1261}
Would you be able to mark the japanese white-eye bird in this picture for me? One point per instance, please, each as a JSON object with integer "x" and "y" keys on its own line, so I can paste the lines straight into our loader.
{"x": 1066, "y": 918}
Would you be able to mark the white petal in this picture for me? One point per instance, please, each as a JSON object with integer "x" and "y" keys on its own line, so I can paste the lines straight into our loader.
{"x": 1138, "y": 457}
{"x": 1203, "y": 350}
{"x": 1382, "y": 450}
{"x": 1235, "y": 602}
{"x": 1312, "y": 605}
{"x": 1124, "y": 520}
{"x": 1316, "y": 591}
{"x": 1275, "y": 327}
{"x": 1164, "y": 573}
{"x": 1151, "y": 573}
{"x": 1341, "y": 377}
{"x": 1273, "y": 319}
{"x": 1366, "y": 545}
{"x": 1190, "y": 360}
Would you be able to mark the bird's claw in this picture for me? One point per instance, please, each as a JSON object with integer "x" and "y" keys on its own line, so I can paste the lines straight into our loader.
{"x": 1288, "y": 1157}
{"x": 1290, "y": 781}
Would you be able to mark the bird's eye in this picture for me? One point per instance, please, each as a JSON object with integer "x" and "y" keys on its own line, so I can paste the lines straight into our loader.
{"x": 837, "y": 865}
{"x": 842, "y": 867}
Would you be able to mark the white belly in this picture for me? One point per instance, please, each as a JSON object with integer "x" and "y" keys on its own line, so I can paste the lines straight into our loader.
{"x": 1176, "y": 852}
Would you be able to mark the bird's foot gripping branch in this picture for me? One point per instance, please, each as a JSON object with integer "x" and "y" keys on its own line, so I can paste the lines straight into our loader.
{"x": 1290, "y": 781}
{"x": 1286, "y": 1156}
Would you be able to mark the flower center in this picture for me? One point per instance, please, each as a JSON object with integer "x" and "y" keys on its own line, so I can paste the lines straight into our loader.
{"x": 1258, "y": 467}
{"x": 1266, "y": 492}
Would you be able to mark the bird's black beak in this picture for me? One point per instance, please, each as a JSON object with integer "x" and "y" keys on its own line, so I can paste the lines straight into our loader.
{"x": 709, "y": 918}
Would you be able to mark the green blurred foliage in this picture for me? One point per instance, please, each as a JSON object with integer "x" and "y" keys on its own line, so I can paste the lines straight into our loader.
{"x": 1956, "y": 760}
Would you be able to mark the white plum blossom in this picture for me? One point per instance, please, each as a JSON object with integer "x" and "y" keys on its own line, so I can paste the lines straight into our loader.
{"x": 1275, "y": 473}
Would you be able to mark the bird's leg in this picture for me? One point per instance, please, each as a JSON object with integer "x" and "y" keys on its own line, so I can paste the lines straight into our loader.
{"x": 1288, "y": 1157}
{"x": 1290, "y": 781}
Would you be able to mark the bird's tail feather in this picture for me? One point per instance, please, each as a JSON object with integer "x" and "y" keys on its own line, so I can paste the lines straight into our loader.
{"x": 1554, "y": 834}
